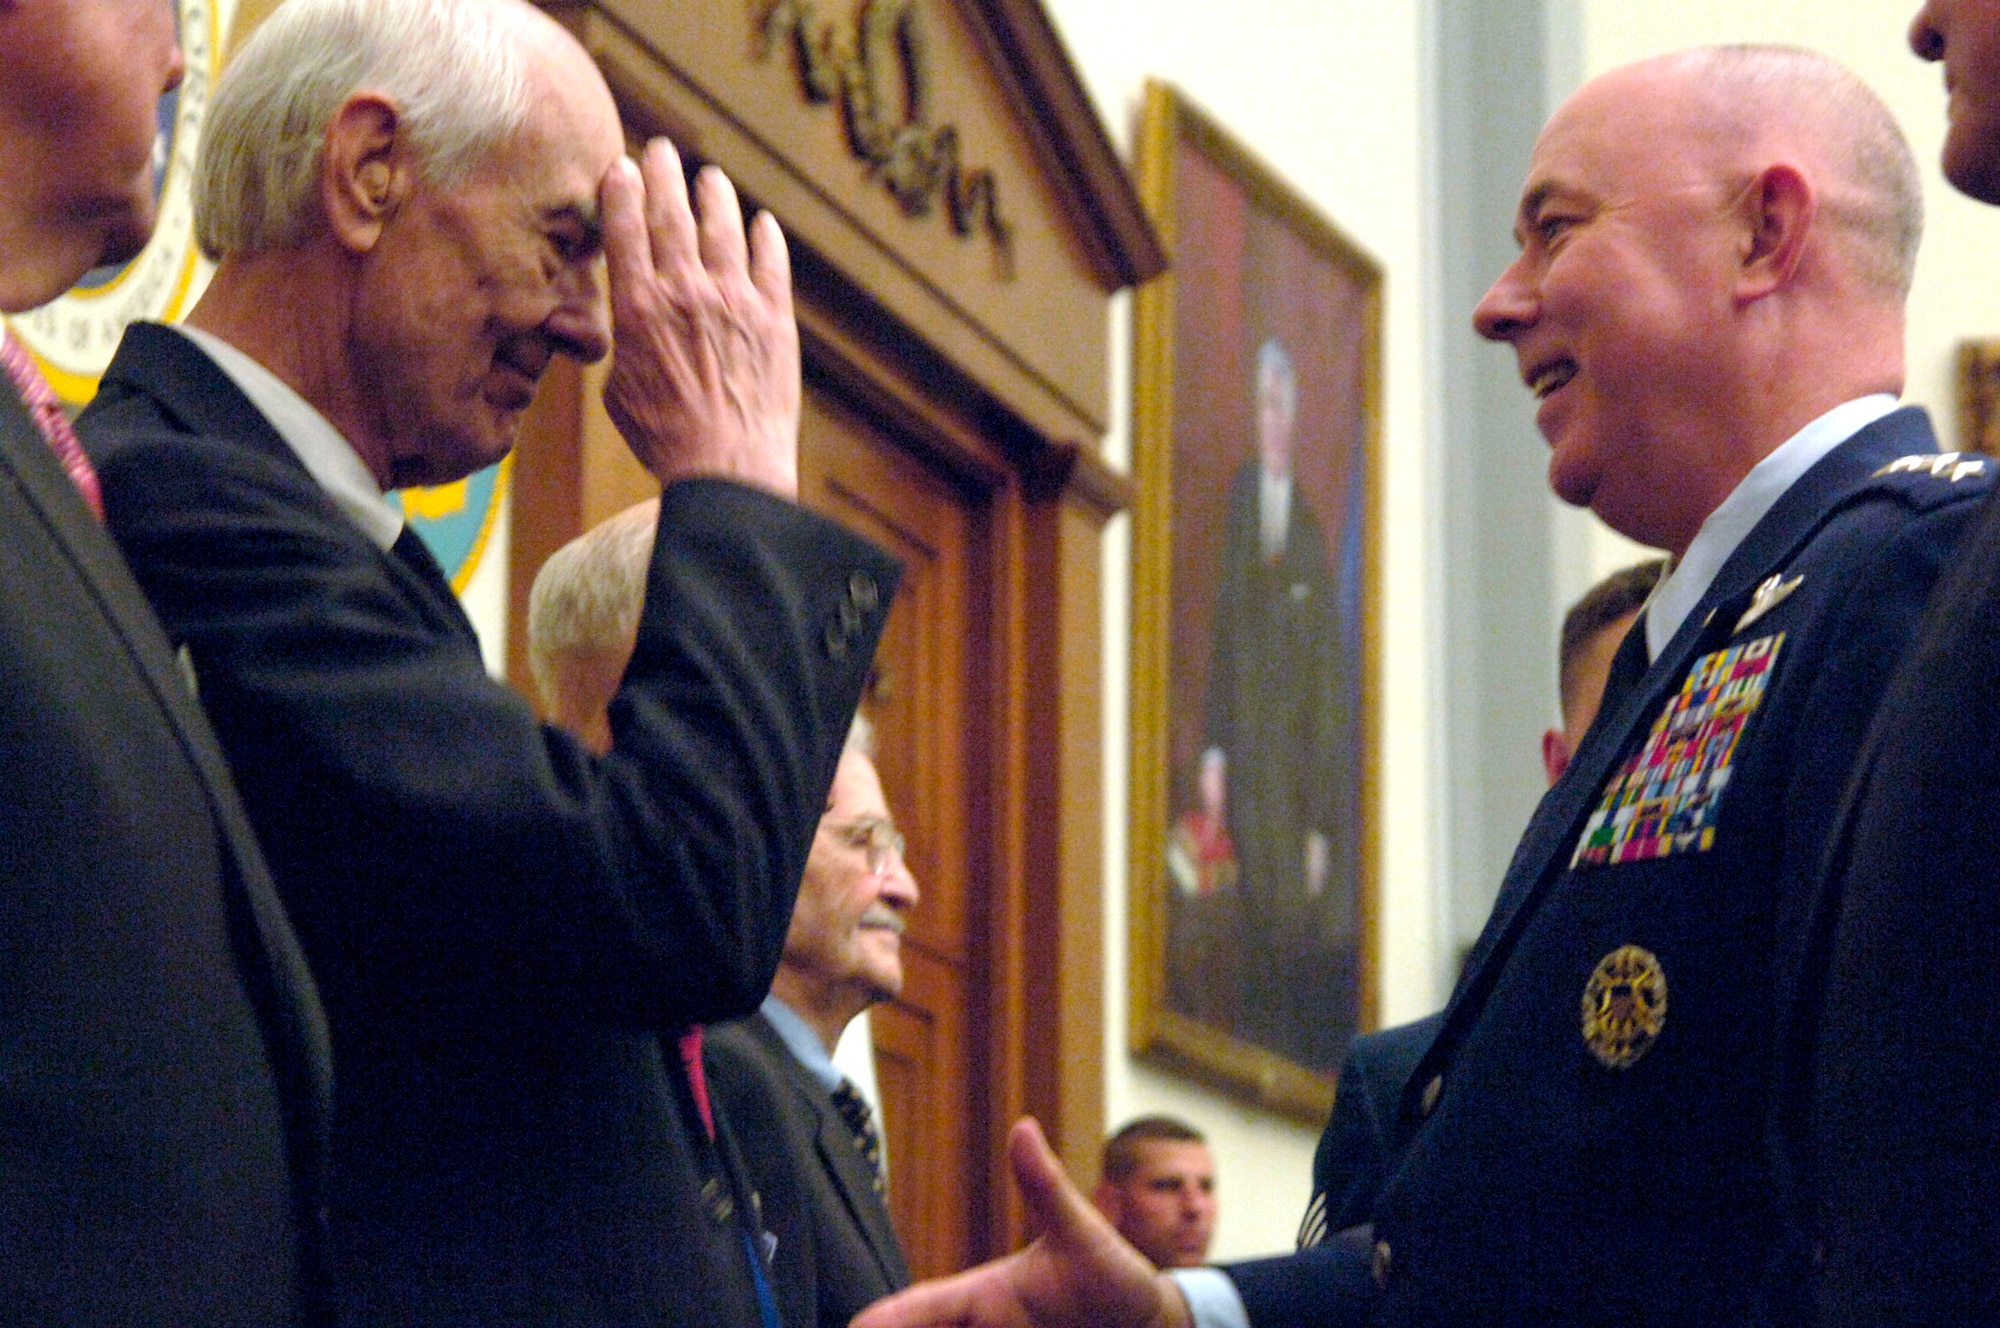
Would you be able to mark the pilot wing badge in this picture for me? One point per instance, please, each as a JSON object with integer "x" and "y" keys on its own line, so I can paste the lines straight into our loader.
{"x": 1769, "y": 595}
{"x": 1664, "y": 799}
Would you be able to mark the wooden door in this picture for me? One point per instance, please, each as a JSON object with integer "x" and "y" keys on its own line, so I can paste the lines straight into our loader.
{"x": 855, "y": 469}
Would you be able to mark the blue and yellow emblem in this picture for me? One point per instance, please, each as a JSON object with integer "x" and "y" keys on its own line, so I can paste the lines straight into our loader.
{"x": 1664, "y": 799}
{"x": 456, "y": 520}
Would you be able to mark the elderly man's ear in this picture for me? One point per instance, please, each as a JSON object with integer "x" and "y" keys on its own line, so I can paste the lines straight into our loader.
{"x": 366, "y": 172}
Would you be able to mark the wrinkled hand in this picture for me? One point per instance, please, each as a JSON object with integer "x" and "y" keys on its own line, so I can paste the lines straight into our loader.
{"x": 705, "y": 375}
{"x": 1078, "y": 1274}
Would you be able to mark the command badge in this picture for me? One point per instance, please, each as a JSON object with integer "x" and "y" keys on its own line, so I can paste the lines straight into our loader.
{"x": 1624, "y": 1006}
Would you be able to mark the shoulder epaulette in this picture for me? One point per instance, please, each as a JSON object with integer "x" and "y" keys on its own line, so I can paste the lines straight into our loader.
{"x": 1933, "y": 478}
{"x": 1949, "y": 466}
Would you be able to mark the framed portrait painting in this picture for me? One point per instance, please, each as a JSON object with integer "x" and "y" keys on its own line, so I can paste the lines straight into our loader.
{"x": 1256, "y": 463}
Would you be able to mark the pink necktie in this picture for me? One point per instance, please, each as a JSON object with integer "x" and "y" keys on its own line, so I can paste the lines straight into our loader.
{"x": 48, "y": 413}
{"x": 690, "y": 1044}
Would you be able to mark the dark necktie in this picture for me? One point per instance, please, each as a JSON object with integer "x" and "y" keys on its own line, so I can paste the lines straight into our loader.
{"x": 55, "y": 425}
{"x": 861, "y": 1122}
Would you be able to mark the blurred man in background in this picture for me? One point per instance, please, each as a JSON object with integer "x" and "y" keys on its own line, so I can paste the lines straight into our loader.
{"x": 1157, "y": 1187}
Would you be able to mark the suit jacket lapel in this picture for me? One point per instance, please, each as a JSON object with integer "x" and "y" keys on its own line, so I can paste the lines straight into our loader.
{"x": 850, "y": 1177}
{"x": 839, "y": 1157}
{"x": 300, "y": 1048}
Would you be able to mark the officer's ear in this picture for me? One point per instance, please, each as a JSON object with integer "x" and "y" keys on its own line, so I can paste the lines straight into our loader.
{"x": 1776, "y": 214}
{"x": 1555, "y": 755}
{"x": 366, "y": 170}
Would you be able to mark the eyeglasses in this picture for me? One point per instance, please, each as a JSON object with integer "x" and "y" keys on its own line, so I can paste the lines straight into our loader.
{"x": 877, "y": 837}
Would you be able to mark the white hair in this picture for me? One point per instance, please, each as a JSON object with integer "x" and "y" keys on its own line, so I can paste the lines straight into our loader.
{"x": 453, "y": 68}
{"x": 587, "y": 596}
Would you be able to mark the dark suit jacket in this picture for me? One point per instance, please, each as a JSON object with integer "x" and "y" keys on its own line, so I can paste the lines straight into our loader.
{"x": 498, "y": 920}
{"x": 1896, "y": 1113}
{"x": 837, "y": 1252}
{"x": 162, "y": 1050}
{"x": 1355, "y": 1154}
{"x": 1538, "y": 1185}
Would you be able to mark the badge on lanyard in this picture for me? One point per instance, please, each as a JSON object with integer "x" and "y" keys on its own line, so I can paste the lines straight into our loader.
{"x": 1664, "y": 799}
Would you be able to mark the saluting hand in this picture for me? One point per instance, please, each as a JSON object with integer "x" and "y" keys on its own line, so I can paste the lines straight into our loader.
{"x": 705, "y": 373}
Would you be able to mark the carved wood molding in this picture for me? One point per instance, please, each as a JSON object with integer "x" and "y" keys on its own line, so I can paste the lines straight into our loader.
{"x": 883, "y": 61}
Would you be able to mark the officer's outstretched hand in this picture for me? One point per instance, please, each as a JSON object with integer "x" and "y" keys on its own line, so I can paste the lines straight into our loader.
{"x": 705, "y": 372}
{"x": 1078, "y": 1274}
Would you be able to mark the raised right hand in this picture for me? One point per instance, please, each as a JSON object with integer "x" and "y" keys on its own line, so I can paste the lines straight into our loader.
{"x": 705, "y": 372}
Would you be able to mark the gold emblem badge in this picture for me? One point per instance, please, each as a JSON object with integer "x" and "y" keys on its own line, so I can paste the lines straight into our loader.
{"x": 1624, "y": 1006}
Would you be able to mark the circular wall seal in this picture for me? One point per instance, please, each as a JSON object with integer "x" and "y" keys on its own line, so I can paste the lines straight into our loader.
{"x": 1624, "y": 1006}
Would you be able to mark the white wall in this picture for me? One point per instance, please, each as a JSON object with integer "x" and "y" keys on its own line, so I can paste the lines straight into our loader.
{"x": 1329, "y": 94}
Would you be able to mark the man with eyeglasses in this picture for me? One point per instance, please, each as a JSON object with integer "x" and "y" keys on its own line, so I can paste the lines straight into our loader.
{"x": 810, "y": 1139}
{"x": 790, "y": 1123}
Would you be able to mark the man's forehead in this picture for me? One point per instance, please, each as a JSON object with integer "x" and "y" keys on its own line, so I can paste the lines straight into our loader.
{"x": 1160, "y": 1155}
{"x": 857, "y": 789}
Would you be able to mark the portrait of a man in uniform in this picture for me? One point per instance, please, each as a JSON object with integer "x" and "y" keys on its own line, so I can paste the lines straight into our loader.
{"x": 1255, "y": 449}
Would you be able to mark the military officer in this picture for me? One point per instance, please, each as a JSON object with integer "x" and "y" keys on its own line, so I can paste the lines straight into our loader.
{"x": 1708, "y": 308}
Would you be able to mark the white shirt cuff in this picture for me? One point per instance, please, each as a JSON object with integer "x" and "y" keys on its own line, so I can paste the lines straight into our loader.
{"x": 1212, "y": 1298}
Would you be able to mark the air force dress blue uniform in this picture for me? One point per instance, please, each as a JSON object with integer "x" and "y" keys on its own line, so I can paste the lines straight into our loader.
{"x": 1587, "y": 1139}
{"x": 1355, "y": 1153}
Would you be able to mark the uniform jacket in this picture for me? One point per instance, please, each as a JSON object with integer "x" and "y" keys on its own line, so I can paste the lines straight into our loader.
{"x": 1355, "y": 1154}
{"x": 163, "y": 1057}
{"x": 1896, "y": 1115}
{"x": 1586, "y": 1140}
{"x": 499, "y": 921}
{"x": 837, "y": 1252}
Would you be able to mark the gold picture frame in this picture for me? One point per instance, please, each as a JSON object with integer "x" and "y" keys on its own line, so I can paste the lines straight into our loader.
{"x": 1255, "y": 563}
{"x": 1979, "y": 396}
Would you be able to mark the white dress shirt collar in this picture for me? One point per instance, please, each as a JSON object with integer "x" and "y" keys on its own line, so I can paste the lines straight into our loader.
{"x": 1675, "y": 597}
{"x": 327, "y": 456}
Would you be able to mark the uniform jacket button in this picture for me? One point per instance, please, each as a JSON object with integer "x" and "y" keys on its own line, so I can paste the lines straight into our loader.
{"x": 1432, "y": 1091}
{"x": 1379, "y": 1266}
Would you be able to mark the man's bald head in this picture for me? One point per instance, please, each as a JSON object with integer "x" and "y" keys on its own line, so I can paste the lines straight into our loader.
{"x": 1765, "y": 101}
{"x": 1715, "y": 249}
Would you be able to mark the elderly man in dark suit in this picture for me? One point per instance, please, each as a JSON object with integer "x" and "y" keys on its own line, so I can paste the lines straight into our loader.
{"x": 1892, "y": 1089}
{"x": 809, "y": 1137}
{"x": 1708, "y": 304}
{"x": 163, "y": 1057}
{"x": 409, "y": 203}
{"x": 812, "y": 1142}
